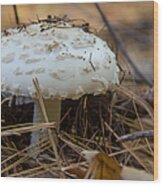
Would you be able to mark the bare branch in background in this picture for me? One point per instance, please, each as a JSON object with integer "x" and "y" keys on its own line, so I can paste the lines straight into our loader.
{"x": 120, "y": 46}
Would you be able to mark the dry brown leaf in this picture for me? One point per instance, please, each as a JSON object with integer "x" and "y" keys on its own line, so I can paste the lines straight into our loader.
{"x": 77, "y": 172}
{"x": 101, "y": 166}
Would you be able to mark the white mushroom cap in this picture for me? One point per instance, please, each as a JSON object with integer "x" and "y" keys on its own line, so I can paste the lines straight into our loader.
{"x": 67, "y": 62}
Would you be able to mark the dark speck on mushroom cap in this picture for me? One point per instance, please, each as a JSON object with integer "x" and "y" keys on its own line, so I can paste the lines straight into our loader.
{"x": 67, "y": 62}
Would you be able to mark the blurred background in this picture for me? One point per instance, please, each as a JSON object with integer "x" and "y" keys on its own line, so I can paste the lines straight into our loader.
{"x": 132, "y": 23}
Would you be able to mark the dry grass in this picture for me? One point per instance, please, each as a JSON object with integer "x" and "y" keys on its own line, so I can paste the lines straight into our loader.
{"x": 97, "y": 124}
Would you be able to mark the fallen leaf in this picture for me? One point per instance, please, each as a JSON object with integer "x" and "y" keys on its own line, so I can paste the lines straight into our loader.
{"x": 102, "y": 167}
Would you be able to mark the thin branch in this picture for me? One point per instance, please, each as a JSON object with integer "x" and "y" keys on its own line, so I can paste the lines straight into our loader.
{"x": 91, "y": 62}
{"x": 136, "y": 135}
{"x": 26, "y": 129}
{"x": 16, "y": 14}
{"x": 127, "y": 148}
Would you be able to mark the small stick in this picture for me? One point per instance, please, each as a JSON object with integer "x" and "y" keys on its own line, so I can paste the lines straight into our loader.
{"x": 23, "y": 151}
{"x": 16, "y": 14}
{"x": 25, "y": 158}
{"x": 78, "y": 149}
{"x": 91, "y": 62}
{"x": 137, "y": 99}
{"x": 21, "y": 130}
{"x": 38, "y": 19}
{"x": 136, "y": 135}
{"x": 127, "y": 148}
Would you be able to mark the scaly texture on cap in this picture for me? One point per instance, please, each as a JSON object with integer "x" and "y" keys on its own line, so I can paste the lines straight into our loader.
{"x": 67, "y": 61}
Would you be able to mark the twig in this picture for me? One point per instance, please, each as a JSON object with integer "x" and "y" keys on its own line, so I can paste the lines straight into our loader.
{"x": 126, "y": 147}
{"x": 78, "y": 149}
{"x": 91, "y": 62}
{"x": 141, "y": 126}
{"x": 21, "y": 130}
{"x": 136, "y": 135}
{"x": 16, "y": 14}
{"x": 24, "y": 158}
{"x": 140, "y": 147}
{"x": 137, "y": 99}
{"x": 23, "y": 151}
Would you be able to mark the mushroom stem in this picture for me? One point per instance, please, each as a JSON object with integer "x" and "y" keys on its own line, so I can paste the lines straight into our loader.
{"x": 53, "y": 109}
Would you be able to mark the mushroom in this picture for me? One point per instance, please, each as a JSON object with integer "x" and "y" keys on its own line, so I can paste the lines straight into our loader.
{"x": 67, "y": 61}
